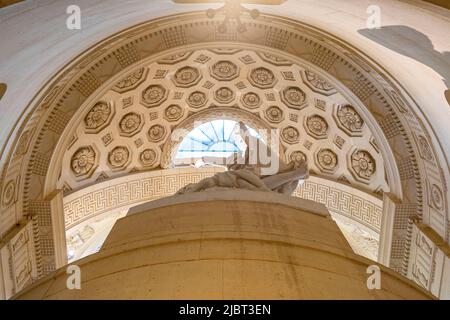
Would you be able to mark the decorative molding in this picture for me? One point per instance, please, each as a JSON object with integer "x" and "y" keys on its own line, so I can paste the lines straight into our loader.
{"x": 224, "y": 70}
{"x": 186, "y": 77}
{"x": 349, "y": 120}
{"x": 125, "y": 191}
{"x": 316, "y": 126}
{"x": 327, "y": 160}
{"x": 84, "y": 161}
{"x": 131, "y": 81}
{"x": 317, "y": 84}
{"x": 262, "y": 78}
{"x": 99, "y": 117}
{"x": 294, "y": 97}
{"x": 154, "y": 95}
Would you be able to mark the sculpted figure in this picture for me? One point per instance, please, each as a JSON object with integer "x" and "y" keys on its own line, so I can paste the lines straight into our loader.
{"x": 246, "y": 171}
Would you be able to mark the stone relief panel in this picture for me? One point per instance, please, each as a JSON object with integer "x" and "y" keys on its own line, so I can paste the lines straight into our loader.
{"x": 186, "y": 77}
{"x": 262, "y": 78}
{"x": 327, "y": 160}
{"x": 84, "y": 162}
{"x": 317, "y": 83}
{"x": 363, "y": 164}
{"x": 119, "y": 157}
{"x": 274, "y": 114}
{"x": 130, "y": 124}
{"x": 98, "y": 117}
{"x": 316, "y": 126}
{"x": 153, "y": 95}
{"x": 131, "y": 81}
{"x": 224, "y": 70}
{"x": 294, "y": 97}
{"x": 17, "y": 261}
{"x": 349, "y": 120}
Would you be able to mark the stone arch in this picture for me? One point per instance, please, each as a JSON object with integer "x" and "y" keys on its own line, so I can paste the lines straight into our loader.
{"x": 417, "y": 161}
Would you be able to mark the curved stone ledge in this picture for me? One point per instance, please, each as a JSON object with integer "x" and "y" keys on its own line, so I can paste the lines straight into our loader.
{"x": 225, "y": 250}
{"x": 233, "y": 195}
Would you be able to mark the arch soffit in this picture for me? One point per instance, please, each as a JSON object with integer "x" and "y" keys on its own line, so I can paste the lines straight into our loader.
{"x": 421, "y": 175}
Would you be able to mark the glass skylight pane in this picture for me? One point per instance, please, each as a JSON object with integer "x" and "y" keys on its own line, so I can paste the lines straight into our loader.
{"x": 190, "y": 144}
{"x": 212, "y": 139}
{"x": 199, "y": 135}
{"x": 228, "y": 128}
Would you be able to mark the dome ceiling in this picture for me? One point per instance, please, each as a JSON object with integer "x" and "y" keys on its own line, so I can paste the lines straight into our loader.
{"x": 125, "y": 129}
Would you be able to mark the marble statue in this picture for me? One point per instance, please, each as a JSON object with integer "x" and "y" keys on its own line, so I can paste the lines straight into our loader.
{"x": 243, "y": 174}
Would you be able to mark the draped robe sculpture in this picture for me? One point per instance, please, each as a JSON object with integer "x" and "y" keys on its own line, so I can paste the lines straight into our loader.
{"x": 244, "y": 174}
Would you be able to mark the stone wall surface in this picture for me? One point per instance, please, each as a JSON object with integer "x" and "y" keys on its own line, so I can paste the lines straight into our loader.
{"x": 226, "y": 250}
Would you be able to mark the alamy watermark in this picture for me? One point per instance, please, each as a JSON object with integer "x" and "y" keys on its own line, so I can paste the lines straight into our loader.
{"x": 374, "y": 279}
{"x": 73, "y": 22}
{"x": 374, "y": 19}
{"x": 73, "y": 281}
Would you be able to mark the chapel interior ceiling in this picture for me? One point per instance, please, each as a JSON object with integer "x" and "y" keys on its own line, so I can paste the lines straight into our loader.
{"x": 125, "y": 129}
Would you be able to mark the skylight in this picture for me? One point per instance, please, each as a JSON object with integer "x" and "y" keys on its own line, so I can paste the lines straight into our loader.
{"x": 212, "y": 139}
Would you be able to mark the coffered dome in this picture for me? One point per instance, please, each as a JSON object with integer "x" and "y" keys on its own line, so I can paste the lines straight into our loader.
{"x": 305, "y": 106}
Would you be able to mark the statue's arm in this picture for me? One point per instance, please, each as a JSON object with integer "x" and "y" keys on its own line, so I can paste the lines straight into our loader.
{"x": 277, "y": 180}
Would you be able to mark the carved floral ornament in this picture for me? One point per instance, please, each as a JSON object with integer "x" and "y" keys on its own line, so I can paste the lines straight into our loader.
{"x": 290, "y": 135}
{"x": 156, "y": 133}
{"x": 298, "y": 157}
{"x": 148, "y": 157}
{"x": 8, "y": 193}
{"x": 363, "y": 164}
{"x": 224, "y": 70}
{"x": 98, "y": 117}
{"x": 317, "y": 83}
{"x": 437, "y": 197}
{"x": 83, "y": 162}
{"x": 251, "y": 100}
{"x": 130, "y": 124}
{"x": 197, "y": 99}
{"x": 274, "y": 114}
{"x": 154, "y": 95}
{"x": 349, "y": 120}
{"x": 131, "y": 81}
{"x": 274, "y": 59}
{"x": 173, "y": 113}
{"x": 327, "y": 160}
{"x": 424, "y": 148}
{"x": 186, "y": 77}
{"x": 317, "y": 126}
{"x": 119, "y": 157}
{"x": 224, "y": 95}
{"x": 262, "y": 78}
{"x": 294, "y": 97}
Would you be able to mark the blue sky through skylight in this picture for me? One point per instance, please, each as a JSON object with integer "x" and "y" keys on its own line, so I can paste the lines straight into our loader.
{"x": 211, "y": 139}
